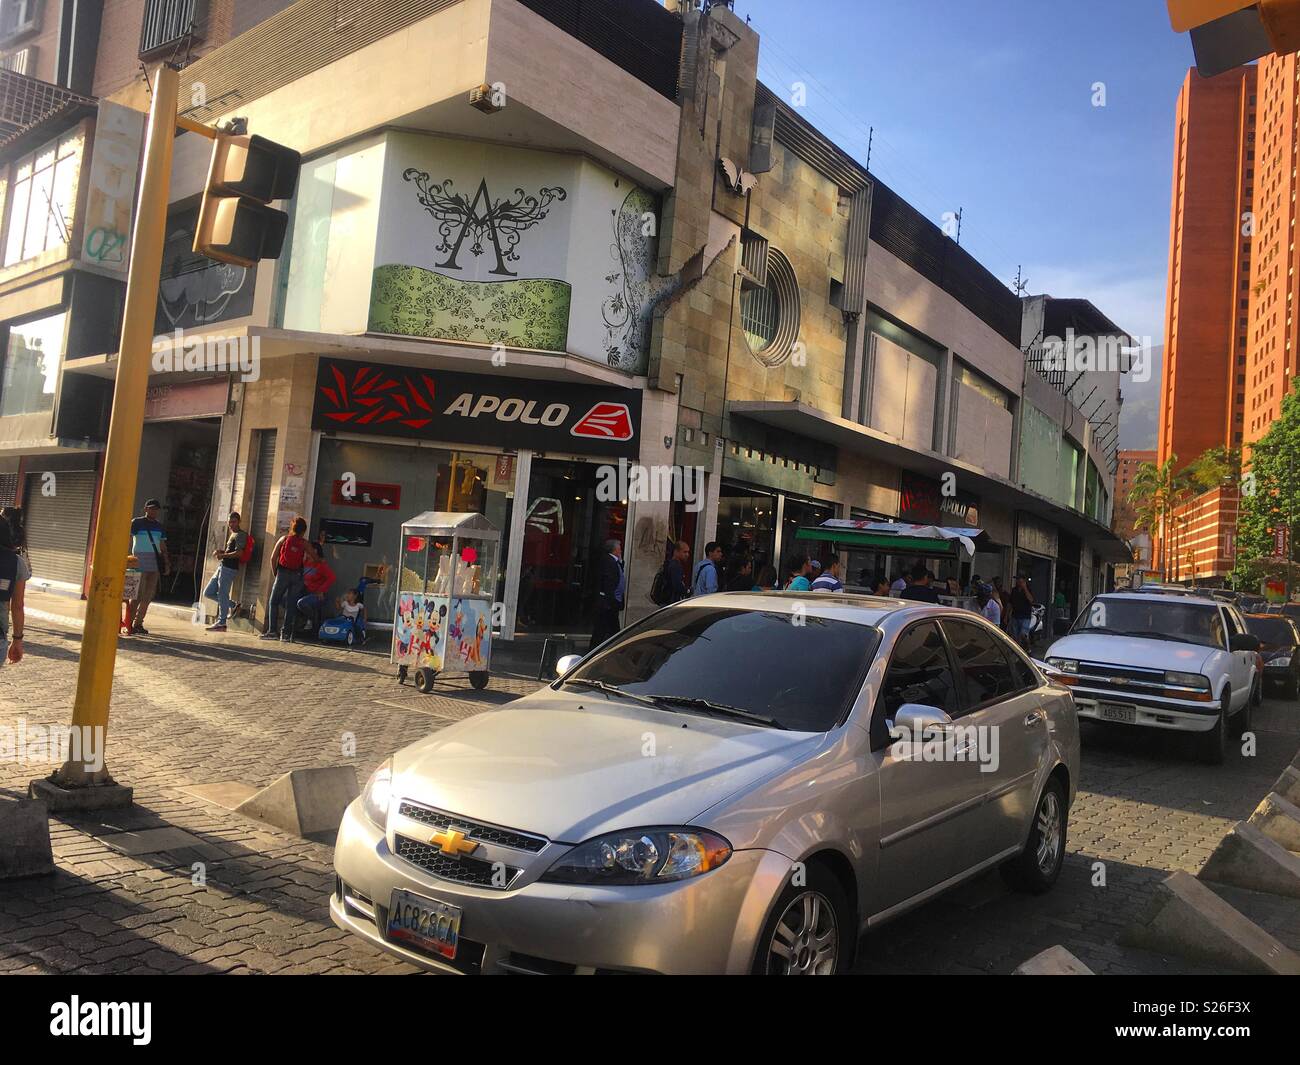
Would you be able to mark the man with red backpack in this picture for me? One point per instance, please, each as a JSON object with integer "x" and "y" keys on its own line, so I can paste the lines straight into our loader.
{"x": 238, "y": 550}
{"x": 287, "y": 559}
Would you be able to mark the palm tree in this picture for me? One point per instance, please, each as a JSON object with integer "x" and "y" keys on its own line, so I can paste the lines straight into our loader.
{"x": 1156, "y": 491}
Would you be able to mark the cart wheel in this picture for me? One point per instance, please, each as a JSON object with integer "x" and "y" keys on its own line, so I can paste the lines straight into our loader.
{"x": 424, "y": 678}
{"x": 401, "y": 674}
{"x": 479, "y": 679}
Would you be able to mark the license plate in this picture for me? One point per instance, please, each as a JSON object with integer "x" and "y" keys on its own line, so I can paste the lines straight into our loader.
{"x": 1116, "y": 712}
{"x": 425, "y": 924}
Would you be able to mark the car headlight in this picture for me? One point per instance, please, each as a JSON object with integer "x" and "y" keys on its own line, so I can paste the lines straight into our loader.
{"x": 378, "y": 794}
{"x": 1188, "y": 680}
{"x": 1280, "y": 660}
{"x": 641, "y": 856}
{"x": 1065, "y": 665}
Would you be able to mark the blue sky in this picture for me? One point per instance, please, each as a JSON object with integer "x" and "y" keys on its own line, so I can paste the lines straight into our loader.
{"x": 988, "y": 106}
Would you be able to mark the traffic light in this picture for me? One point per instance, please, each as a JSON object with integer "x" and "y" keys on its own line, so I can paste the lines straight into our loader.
{"x": 236, "y": 222}
{"x": 1228, "y": 33}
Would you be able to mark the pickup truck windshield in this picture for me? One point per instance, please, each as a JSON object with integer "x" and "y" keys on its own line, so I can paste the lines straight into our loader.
{"x": 1155, "y": 617}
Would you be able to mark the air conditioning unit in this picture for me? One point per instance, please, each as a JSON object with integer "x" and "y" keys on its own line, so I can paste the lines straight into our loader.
{"x": 484, "y": 98}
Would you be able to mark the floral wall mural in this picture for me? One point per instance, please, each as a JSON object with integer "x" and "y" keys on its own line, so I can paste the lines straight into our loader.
{"x": 494, "y": 245}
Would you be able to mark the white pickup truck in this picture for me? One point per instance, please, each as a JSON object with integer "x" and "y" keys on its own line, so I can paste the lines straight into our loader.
{"x": 1178, "y": 662}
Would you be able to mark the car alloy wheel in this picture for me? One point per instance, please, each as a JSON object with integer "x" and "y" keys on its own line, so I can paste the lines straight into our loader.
{"x": 805, "y": 941}
{"x": 1048, "y": 820}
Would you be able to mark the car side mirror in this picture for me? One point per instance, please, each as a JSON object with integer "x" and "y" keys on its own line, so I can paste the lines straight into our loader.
{"x": 1243, "y": 641}
{"x": 563, "y": 665}
{"x": 916, "y": 720}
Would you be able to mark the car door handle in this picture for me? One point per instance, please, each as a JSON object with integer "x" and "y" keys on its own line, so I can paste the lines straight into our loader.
{"x": 1033, "y": 718}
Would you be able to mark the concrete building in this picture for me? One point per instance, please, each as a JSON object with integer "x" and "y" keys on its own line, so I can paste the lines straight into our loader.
{"x": 532, "y": 239}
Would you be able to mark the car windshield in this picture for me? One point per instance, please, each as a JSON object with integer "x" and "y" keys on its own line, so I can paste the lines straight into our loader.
{"x": 1155, "y": 617}
{"x": 1275, "y": 631}
{"x": 794, "y": 671}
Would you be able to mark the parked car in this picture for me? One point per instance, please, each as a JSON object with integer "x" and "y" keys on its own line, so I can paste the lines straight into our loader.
{"x": 1279, "y": 646}
{"x": 1182, "y": 663}
{"x": 737, "y": 783}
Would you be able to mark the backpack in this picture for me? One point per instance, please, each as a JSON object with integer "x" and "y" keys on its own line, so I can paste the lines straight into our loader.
{"x": 661, "y": 592}
{"x": 246, "y": 554}
{"x": 292, "y": 552}
{"x": 699, "y": 569}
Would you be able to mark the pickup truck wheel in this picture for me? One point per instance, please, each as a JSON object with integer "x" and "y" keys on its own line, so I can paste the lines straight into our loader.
{"x": 1213, "y": 745}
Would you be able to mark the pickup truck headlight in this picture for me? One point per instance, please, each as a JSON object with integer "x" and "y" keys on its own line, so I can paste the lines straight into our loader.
{"x": 641, "y": 856}
{"x": 378, "y": 794}
{"x": 1065, "y": 665}
{"x": 1188, "y": 680}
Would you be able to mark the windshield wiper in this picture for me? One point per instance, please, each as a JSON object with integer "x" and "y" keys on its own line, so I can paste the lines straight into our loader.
{"x": 696, "y": 703}
{"x": 612, "y": 689}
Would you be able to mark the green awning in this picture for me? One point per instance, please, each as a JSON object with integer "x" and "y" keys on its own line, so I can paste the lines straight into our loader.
{"x": 911, "y": 545}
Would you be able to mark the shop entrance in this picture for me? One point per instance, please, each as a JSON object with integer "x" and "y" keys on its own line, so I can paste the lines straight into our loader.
{"x": 364, "y": 490}
{"x": 565, "y": 530}
{"x": 177, "y": 463}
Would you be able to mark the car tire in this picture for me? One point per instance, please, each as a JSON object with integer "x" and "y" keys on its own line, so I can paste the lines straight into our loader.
{"x": 1036, "y": 868}
{"x": 822, "y": 897}
{"x": 1212, "y": 746}
{"x": 1292, "y": 689}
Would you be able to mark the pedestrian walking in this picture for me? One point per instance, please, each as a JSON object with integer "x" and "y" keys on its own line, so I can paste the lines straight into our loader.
{"x": 287, "y": 558}
{"x": 15, "y": 572}
{"x": 149, "y": 546}
{"x": 670, "y": 585}
{"x": 767, "y": 580}
{"x": 989, "y": 606}
{"x": 741, "y": 577}
{"x": 238, "y": 547}
{"x": 829, "y": 580}
{"x": 707, "y": 575}
{"x": 1022, "y": 610}
{"x": 880, "y": 586}
{"x": 921, "y": 589}
{"x": 17, "y": 529}
{"x": 899, "y": 586}
{"x": 317, "y": 579}
{"x": 797, "y": 569}
{"x": 611, "y": 587}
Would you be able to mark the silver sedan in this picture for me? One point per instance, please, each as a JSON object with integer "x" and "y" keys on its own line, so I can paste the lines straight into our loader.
{"x": 737, "y": 783}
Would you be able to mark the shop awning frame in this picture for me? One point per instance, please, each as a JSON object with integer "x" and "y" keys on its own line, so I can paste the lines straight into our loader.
{"x": 909, "y": 545}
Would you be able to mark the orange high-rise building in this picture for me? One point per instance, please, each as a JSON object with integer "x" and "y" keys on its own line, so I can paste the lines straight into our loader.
{"x": 1207, "y": 298}
{"x": 1272, "y": 347}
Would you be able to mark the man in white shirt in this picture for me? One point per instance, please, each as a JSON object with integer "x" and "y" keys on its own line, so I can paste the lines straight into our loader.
{"x": 989, "y": 606}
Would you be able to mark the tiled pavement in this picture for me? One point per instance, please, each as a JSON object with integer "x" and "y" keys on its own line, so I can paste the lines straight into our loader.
{"x": 192, "y": 709}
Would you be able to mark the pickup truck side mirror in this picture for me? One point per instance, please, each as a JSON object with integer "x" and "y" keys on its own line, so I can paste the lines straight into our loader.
{"x": 1243, "y": 641}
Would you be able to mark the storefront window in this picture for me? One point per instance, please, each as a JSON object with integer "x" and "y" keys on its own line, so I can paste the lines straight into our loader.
{"x": 30, "y": 370}
{"x": 565, "y": 530}
{"x": 365, "y": 491}
{"x": 800, "y": 515}
{"x": 746, "y": 524}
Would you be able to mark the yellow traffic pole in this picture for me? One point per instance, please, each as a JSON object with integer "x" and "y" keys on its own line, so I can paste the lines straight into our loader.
{"x": 122, "y": 457}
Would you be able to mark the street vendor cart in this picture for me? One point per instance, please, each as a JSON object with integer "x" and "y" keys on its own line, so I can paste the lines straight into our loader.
{"x": 443, "y": 618}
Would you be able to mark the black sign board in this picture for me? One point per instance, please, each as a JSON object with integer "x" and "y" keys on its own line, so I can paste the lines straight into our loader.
{"x": 494, "y": 409}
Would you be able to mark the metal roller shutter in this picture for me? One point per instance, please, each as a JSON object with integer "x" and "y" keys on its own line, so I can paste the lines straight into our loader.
{"x": 58, "y": 525}
{"x": 262, "y": 495}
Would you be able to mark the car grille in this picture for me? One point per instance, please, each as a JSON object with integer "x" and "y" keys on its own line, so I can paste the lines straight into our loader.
{"x": 461, "y": 870}
{"x": 1124, "y": 679}
{"x": 475, "y": 830}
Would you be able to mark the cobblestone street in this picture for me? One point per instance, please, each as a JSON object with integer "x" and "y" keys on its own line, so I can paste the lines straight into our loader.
{"x": 192, "y": 709}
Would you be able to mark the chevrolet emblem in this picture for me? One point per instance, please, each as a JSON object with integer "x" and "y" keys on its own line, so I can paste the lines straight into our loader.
{"x": 452, "y": 842}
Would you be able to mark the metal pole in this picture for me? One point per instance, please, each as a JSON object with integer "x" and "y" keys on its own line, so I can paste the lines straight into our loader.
{"x": 122, "y": 456}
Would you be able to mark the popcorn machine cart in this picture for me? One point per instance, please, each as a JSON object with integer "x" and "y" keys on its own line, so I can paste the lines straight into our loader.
{"x": 447, "y": 578}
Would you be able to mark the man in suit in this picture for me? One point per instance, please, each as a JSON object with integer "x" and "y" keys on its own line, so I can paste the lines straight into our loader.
{"x": 610, "y": 588}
